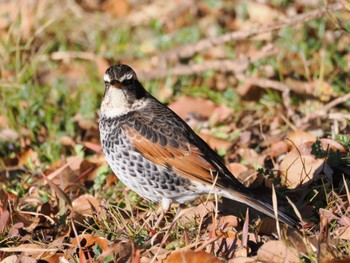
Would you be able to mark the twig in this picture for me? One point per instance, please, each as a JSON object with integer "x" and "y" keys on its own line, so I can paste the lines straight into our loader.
{"x": 224, "y": 65}
{"x": 322, "y": 112}
{"x": 272, "y": 84}
{"x": 189, "y": 50}
{"x": 238, "y": 66}
{"x": 69, "y": 55}
{"x": 263, "y": 82}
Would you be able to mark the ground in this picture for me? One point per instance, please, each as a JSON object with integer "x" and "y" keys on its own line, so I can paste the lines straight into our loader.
{"x": 265, "y": 83}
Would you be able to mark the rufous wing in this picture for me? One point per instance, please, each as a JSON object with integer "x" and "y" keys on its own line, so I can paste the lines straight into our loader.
{"x": 186, "y": 159}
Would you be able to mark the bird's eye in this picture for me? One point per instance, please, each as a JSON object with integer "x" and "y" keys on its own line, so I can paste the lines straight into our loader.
{"x": 127, "y": 82}
{"x": 114, "y": 82}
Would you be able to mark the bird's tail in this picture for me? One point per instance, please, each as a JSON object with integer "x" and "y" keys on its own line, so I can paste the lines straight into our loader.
{"x": 262, "y": 207}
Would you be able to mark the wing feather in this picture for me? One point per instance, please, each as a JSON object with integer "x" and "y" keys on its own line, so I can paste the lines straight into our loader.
{"x": 186, "y": 159}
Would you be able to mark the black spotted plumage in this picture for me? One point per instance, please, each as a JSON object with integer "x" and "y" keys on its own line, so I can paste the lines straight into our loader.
{"x": 177, "y": 165}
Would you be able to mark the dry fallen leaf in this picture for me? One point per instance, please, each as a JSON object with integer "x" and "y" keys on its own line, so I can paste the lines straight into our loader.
{"x": 117, "y": 8}
{"x": 251, "y": 156}
{"x": 227, "y": 247}
{"x": 74, "y": 162}
{"x": 224, "y": 226}
{"x": 331, "y": 144}
{"x": 344, "y": 233}
{"x": 29, "y": 156}
{"x": 220, "y": 114}
{"x": 192, "y": 213}
{"x": 10, "y": 259}
{"x": 278, "y": 252}
{"x": 300, "y": 166}
{"x": 67, "y": 141}
{"x": 237, "y": 168}
{"x": 88, "y": 240}
{"x": 190, "y": 256}
{"x": 263, "y": 14}
{"x": 188, "y": 105}
{"x": 277, "y": 149}
{"x": 8, "y": 135}
{"x": 242, "y": 259}
{"x": 251, "y": 178}
{"x": 93, "y": 147}
{"x": 215, "y": 143}
{"x": 121, "y": 251}
{"x": 4, "y": 217}
{"x": 86, "y": 205}
{"x": 296, "y": 138}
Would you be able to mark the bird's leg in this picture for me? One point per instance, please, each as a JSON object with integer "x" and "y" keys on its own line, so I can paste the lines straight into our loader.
{"x": 164, "y": 207}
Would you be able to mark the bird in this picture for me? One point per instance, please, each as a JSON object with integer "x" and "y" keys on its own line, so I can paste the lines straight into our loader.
{"x": 156, "y": 154}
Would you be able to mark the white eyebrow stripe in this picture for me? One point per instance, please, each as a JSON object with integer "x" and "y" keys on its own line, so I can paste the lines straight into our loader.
{"x": 127, "y": 76}
{"x": 106, "y": 78}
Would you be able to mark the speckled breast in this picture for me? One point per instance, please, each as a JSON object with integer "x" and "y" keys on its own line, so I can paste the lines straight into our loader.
{"x": 136, "y": 172}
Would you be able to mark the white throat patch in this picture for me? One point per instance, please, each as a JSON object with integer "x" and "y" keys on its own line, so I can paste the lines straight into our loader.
{"x": 114, "y": 103}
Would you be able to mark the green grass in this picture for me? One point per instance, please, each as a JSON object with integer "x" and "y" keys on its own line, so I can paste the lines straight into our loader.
{"x": 41, "y": 97}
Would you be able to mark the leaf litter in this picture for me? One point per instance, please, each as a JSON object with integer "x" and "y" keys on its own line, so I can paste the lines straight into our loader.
{"x": 257, "y": 101}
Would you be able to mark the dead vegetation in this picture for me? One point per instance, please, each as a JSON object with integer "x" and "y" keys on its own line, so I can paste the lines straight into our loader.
{"x": 264, "y": 84}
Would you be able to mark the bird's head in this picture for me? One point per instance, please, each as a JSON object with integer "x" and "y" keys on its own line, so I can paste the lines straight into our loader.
{"x": 123, "y": 91}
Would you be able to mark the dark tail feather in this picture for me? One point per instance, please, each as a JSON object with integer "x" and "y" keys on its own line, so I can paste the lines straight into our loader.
{"x": 262, "y": 207}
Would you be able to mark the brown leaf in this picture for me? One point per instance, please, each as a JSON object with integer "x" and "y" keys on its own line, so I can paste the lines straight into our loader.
{"x": 74, "y": 162}
{"x": 67, "y": 141}
{"x": 229, "y": 221}
{"x": 14, "y": 230}
{"x": 242, "y": 259}
{"x": 300, "y": 166}
{"x": 226, "y": 234}
{"x": 121, "y": 251}
{"x": 10, "y": 259}
{"x": 8, "y": 135}
{"x": 263, "y": 14}
{"x": 220, "y": 114}
{"x": 29, "y": 156}
{"x": 250, "y": 178}
{"x": 278, "y": 252}
{"x": 190, "y": 256}
{"x": 4, "y": 217}
{"x": 88, "y": 170}
{"x": 85, "y": 124}
{"x": 188, "y": 105}
{"x": 58, "y": 190}
{"x": 297, "y": 138}
{"x": 277, "y": 149}
{"x": 54, "y": 258}
{"x": 251, "y": 156}
{"x": 117, "y": 8}
{"x": 200, "y": 211}
{"x": 86, "y": 205}
{"x": 237, "y": 168}
{"x": 328, "y": 215}
{"x": 331, "y": 144}
{"x": 225, "y": 247}
{"x": 215, "y": 143}
{"x": 344, "y": 233}
{"x": 93, "y": 147}
{"x": 88, "y": 240}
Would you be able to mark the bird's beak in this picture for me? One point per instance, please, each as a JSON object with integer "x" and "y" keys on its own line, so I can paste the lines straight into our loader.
{"x": 115, "y": 84}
